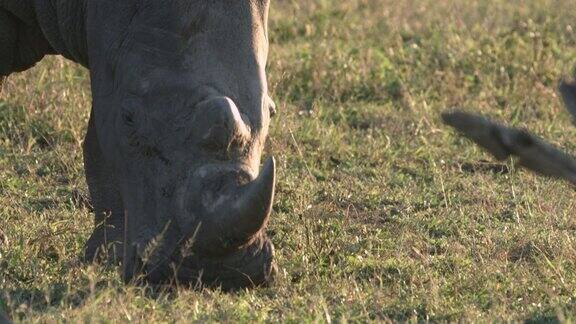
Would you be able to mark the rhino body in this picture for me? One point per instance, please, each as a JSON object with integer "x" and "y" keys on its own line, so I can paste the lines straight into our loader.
{"x": 179, "y": 119}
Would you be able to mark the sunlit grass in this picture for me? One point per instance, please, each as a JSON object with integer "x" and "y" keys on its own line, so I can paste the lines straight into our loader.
{"x": 381, "y": 211}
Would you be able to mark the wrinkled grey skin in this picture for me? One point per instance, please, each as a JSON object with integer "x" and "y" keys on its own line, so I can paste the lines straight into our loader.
{"x": 179, "y": 120}
{"x": 502, "y": 142}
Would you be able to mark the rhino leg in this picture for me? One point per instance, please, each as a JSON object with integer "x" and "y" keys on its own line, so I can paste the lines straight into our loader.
{"x": 106, "y": 242}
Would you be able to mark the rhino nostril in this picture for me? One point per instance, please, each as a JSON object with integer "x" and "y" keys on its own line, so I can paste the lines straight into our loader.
{"x": 216, "y": 139}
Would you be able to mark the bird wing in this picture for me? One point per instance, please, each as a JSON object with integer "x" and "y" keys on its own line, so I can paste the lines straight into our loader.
{"x": 502, "y": 142}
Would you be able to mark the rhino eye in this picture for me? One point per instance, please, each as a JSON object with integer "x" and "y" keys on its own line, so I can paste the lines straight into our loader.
{"x": 128, "y": 118}
{"x": 128, "y": 111}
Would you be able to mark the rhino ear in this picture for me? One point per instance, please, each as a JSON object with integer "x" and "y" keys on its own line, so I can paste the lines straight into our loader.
{"x": 501, "y": 141}
{"x": 568, "y": 91}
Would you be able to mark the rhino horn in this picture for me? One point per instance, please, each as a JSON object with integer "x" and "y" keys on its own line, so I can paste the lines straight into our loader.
{"x": 236, "y": 222}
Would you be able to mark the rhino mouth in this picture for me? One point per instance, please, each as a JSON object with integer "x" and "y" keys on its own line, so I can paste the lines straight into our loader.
{"x": 220, "y": 225}
{"x": 249, "y": 267}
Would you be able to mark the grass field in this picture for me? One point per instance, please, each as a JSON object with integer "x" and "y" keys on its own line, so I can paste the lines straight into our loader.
{"x": 382, "y": 213}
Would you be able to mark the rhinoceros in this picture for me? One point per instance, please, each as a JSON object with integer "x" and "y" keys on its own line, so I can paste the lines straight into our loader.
{"x": 180, "y": 115}
{"x": 502, "y": 142}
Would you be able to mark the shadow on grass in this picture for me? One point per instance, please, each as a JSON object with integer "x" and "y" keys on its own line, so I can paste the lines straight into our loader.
{"x": 21, "y": 302}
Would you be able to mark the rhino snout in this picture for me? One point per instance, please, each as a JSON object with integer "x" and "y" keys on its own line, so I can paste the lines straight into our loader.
{"x": 232, "y": 213}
